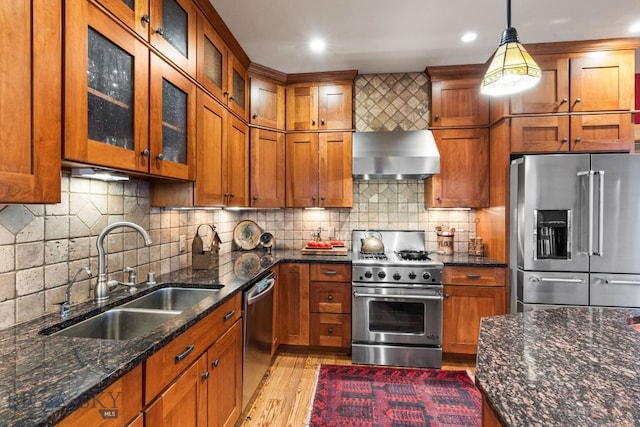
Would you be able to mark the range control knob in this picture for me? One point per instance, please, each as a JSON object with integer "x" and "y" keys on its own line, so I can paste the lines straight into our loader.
{"x": 426, "y": 275}
{"x": 396, "y": 276}
{"x": 412, "y": 275}
{"x": 368, "y": 274}
{"x": 382, "y": 274}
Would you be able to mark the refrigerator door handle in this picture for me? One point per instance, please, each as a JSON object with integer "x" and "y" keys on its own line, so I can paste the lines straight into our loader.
{"x": 600, "y": 215}
{"x": 590, "y": 174}
{"x": 555, "y": 279}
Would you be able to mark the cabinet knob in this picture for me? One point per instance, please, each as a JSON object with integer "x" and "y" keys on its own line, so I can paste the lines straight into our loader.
{"x": 231, "y": 195}
{"x": 578, "y": 100}
{"x": 145, "y": 153}
{"x": 446, "y": 295}
{"x": 255, "y": 116}
{"x": 438, "y": 198}
{"x": 231, "y": 98}
{"x": 160, "y": 156}
{"x": 313, "y": 122}
{"x": 564, "y": 101}
{"x": 322, "y": 198}
{"x": 330, "y": 297}
{"x": 205, "y": 375}
{"x": 578, "y": 139}
{"x": 225, "y": 93}
{"x": 564, "y": 140}
{"x": 313, "y": 198}
{"x": 255, "y": 197}
{"x": 330, "y": 330}
{"x": 145, "y": 18}
{"x": 322, "y": 122}
{"x": 215, "y": 363}
{"x": 436, "y": 117}
{"x": 160, "y": 31}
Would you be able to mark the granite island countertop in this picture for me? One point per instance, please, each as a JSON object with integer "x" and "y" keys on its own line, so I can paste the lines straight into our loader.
{"x": 566, "y": 366}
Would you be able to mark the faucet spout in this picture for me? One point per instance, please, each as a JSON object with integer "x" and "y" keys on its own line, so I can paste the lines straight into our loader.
{"x": 101, "y": 291}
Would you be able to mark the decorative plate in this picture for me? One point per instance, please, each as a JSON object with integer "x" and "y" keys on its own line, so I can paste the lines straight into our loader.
{"x": 267, "y": 240}
{"x": 247, "y": 265}
{"x": 247, "y": 235}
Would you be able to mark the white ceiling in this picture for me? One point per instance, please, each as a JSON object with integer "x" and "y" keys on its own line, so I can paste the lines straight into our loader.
{"x": 384, "y": 36}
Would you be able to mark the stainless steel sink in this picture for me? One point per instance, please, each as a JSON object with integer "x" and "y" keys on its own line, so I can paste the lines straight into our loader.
{"x": 138, "y": 317}
{"x": 119, "y": 324}
{"x": 171, "y": 299}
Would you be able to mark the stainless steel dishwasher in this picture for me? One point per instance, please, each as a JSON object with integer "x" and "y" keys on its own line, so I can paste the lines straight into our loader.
{"x": 258, "y": 327}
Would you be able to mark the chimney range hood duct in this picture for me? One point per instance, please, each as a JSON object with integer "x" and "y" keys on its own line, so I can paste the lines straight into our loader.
{"x": 395, "y": 155}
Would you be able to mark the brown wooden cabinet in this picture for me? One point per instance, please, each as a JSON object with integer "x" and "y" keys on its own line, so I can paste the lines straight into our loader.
{"x": 134, "y": 14}
{"x": 293, "y": 304}
{"x": 219, "y": 71}
{"x": 463, "y": 180}
{"x": 267, "y": 104}
{"x": 172, "y": 30}
{"x": 117, "y": 405}
{"x": 455, "y": 97}
{"x": 267, "y": 168}
{"x": 330, "y": 305}
{"x": 31, "y": 99}
{"x": 319, "y": 169}
{"x": 319, "y": 107}
{"x": 470, "y": 293}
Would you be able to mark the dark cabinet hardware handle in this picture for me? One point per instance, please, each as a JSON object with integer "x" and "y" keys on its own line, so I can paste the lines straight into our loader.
{"x": 180, "y": 357}
{"x": 225, "y": 93}
{"x": 564, "y": 101}
{"x": 578, "y": 100}
{"x": 322, "y": 198}
{"x": 160, "y": 156}
{"x": 436, "y": 117}
{"x": 145, "y": 153}
{"x": 329, "y": 272}
{"x": 313, "y": 198}
{"x": 160, "y": 31}
{"x": 565, "y": 140}
{"x": 255, "y": 197}
{"x": 330, "y": 297}
{"x": 438, "y": 198}
{"x": 255, "y": 116}
{"x": 229, "y": 315}
{"x": 205, "y": 376}
{"x": 231, "y": 195}
{"x": 330, "y": 330}
{"x": 215, "y": 363}
{"x": 322, "y": 122}
{"x": 145, "y": 18}
{"x": 473, "y": 276}
{"x": 578, "y": 139}
{"x": 313, "y": 122}
{"x": 446, "y": 295}
{"x": 231, "y": 98}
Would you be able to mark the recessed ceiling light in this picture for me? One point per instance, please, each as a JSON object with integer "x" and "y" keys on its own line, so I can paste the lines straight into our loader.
{"x": 635, "y": 28}
{"x": 317, "y": 45}
{"x": 469, "y": 37}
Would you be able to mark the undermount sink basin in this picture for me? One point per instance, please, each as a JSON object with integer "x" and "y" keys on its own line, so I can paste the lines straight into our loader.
{"x": 171, "y": 299}
{"x": 138, "y": 317}
{"x": 119, "y": 324}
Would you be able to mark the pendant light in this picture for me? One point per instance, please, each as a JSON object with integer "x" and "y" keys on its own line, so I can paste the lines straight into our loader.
{"x": 512, "y": 69}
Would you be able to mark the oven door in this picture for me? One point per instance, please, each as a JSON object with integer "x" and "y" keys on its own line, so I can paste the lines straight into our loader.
{"x": 411, "y": 316}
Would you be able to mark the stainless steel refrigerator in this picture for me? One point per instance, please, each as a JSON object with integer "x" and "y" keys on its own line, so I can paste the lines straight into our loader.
{"x": 575, "y": 231}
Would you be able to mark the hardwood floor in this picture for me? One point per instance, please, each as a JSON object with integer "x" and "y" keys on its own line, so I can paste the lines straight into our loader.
{"x": 285, "y": 396}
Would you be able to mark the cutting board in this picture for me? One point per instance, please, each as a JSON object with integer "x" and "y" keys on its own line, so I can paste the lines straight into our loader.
{"x": 333, "y": 251}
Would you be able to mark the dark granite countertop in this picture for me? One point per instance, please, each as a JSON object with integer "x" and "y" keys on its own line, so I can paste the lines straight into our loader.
{"x": 567, "y": 366}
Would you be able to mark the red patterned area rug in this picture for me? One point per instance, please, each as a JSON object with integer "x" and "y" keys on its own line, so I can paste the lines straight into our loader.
{"x": 368, "y": 396}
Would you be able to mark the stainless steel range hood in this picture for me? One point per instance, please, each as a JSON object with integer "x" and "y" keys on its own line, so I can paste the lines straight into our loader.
{"x": 395, "y": 155}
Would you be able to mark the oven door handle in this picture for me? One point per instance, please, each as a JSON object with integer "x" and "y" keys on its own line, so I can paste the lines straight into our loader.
{"x": 356, "y": 294}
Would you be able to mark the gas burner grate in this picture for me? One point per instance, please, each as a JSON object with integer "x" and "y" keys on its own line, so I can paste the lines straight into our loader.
{"x": 413, "y": 255}
{"x": 373, "y": 256}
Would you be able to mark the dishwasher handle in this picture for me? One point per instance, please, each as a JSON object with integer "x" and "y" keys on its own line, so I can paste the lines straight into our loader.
{"x": 261, "y": 290}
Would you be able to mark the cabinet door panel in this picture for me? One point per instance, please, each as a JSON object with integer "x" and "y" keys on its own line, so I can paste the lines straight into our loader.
{"x": 293, "y": 304}
{"x": 335, "y": 107}
{"x": 463, "y": 180}
{"x": 267, "y": 168}
{"x": 267, "y": 104}
{"x": 212, "y": 132}
{"x": 224, "y": 360}
{"x": 458, "y": 103}
{"x": 238, "y": 93}
{"x": 236, "y": 159}
{"x": 131, "y": 13}
{"x": 31, "y": 128}
{"x": 602, "y": 132}
{"x": 302, "y": 107}
{"x": 302, "y": 169}
{"x": 212, "y": 60}
{"x": 330, "y": 330}
{"x": 173, "y": 106}
{"x": 536, "y": 134}
{"x": 602, "y": 83}
{"x": 173, "y": 31}
{"x": 335, "y": 170}
{"x": 103, "y": 125}
{"x": 551, "y": 94}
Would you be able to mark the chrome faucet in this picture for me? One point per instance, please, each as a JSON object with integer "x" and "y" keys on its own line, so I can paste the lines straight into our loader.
{"x": 101, "y": 291}
{"x": 65, "y": 306}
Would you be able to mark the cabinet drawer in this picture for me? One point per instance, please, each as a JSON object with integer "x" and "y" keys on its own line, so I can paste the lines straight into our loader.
{"x": 331, "y": 272}
{"x": 330, "y": 330}
{"x": 484, "y": 276}
{"x": 327, "y": 297}
{"x": 165, "y": 365}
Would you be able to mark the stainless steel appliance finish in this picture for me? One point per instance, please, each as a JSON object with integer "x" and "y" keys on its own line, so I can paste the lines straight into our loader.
{"x": 575, "y": 236}
{"x": 395, "y": 155}
{"x": 258, "y": 332}
{"x": 396, "y": 302}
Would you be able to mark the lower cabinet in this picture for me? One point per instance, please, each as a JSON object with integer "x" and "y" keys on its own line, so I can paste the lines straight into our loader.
{"x": 293, "y": 304}
{"x": 470, "y": 293}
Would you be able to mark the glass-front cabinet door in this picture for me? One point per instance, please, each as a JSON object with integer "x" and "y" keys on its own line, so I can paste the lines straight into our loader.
{"x": 238, "y": 93}
{"x": 106, "y": 108}
{"x": 133, "y": 13}
{"x": 173, "y": 31}
{"x": 212, "y": 60}
{"x": 173, "y": 107}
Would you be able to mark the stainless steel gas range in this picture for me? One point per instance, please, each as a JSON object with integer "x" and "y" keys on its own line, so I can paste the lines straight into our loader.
{"x": 396, "y": 300}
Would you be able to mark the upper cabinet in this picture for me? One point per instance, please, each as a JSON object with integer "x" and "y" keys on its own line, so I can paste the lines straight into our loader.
{"x": 267, "y": 170}
{"x": 31, "y": 100}
{"x": 455, "y": 97}
{"x": 219, "y": 71}
{"x": 313, "y": 107}
{"x": 117, "y": 94}
{"x": 267, "y": 104}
